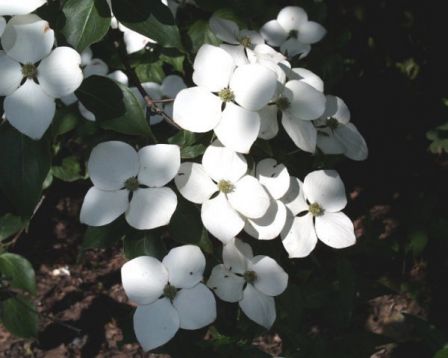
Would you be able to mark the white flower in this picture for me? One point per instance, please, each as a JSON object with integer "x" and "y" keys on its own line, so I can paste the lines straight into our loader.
{"x": 133, "y": 183}
{"x": 185, "y": 303}
{"x": 299, "y": 103}
{"x": 275, "y": 179}
{"x": 251, "y": 281}
{"x": 220, "y": 83}
{"x": 239, "y": 196}
{"x": 30, "y": 106}
{"x": 337, "y": 135}
{"x": 318, "y": 201}
{"x": 169, "y": 88}
{"x": 236, "y": 41}
{"x": 292, "y": 31}
{"x": 19, "y": 7}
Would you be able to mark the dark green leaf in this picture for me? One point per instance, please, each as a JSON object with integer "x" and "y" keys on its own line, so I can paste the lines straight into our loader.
{"x": 87, "y": 21}
{"x": 24, "y": 165}
{"x": 64, "y": 121}
{"x": 148, "y": 243}
{"x": 150, "y": 72}
{"x": 150, "y": 18}
{"x": 69, "y": 171}
{"x": 18, "y": 271}
{"x": 186, "y": 224}
{"x": 19, "y": 316}
{"x": 443, "y": 353}
{"x": 114, "y": 105}
{"x": 193, "y": 152}
{"x": 200, "y": 34}
{"x": 104, "y": 236}
{"x": 9, "y": 225}
{"x": 183, "y": 138}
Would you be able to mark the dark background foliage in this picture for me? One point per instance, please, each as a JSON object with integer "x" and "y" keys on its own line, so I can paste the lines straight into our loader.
{"x": 388, "y": 294}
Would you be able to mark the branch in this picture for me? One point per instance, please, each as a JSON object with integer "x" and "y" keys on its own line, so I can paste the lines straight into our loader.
{"x": 151, "y": 103}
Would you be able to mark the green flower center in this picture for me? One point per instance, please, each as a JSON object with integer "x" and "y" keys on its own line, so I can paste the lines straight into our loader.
{"x": 132, "y": 184}
{"x": 315, "y": 209}
{"x": 250, "y": 276}
{"x": 293, "y": 34}
{"x": 170, "y": 291}
{"x": 246, "y": 41}
{"x": 226, "y": 95}
{"x": 225, "y": 186}
{"x": 283, "y": 103}
{"x": 332, "y": 123}
{"x": 29, "y": 71}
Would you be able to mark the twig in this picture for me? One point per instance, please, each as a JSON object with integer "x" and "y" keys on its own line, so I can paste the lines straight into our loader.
{"x": 150, "y": 102}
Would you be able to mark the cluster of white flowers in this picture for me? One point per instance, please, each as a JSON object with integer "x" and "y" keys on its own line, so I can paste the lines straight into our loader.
{"x": 33, "y": 72}
{"x": 242, "y": 87}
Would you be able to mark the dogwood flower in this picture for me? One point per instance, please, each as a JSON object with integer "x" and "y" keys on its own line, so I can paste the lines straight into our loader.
{"x": 22, "y": 7}
{"x": 250, "y": 280}
{"x": 27, "y": 42}
{"x": 239, "y": 196}
{"x": 298, "y": 104}
{"x": 169, "y": 88}
{"x": 219, "y": 84}
{"x": 236, "y": 41}
{"x": 318, "y": 203}
{"x": 275, "y": 179}
{"x": 292, "y": 31}
{"x": 337, "y": 135}
{"x": 131, "y": 182}
{"x": 169, "y": 295}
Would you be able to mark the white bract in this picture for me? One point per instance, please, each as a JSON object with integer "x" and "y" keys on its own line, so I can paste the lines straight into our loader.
{"x": 250, "y": 280}
{"x": 168, "y": 89}
{"x": 19, "y": 7}
{"x": 169, "y": 295}
{"x": 240, "y": 196}
{"x": 275, "y": 179}
{"x": 292, "y": 31}
{"x": 241, "y": 90}
{"x": 318, "y": 203}
{"x": 229, "y": 32}
{"x": 131, "y": 182}
{"x": 336, "y": 135}
{"x": 299, "y": 103}
{"x": 30, "y": 106}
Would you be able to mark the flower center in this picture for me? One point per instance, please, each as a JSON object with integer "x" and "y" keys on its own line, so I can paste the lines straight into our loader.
{"x": 332, "y": 123}
{"x": 250, "y": 276}
{"x": 315, "y": 209}
{"x": 29, "y": 70}
{"x": 245, "y": 41}
{"x": 170, "y": 291}
{"x": 132, "y": 184}
{"x": 293, "y": 34}
{"x": 283, "y": 103}
{"x": 225, "y": 186}
{"x": 226, "y": 95}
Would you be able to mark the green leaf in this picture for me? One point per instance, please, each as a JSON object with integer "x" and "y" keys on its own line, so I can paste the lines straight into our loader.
{"x": 150, "y": 72}
{"x": 149, "y": 243}
{"x": 24, "y": 165}
{"x": 150, "y": 18}
{"x": 200, "y": 34}
{"x": 19, "y": 316}
{"x": 114, "y": 105}
{"x": 64, "y": 121}
{"x": 183, "y": 138}
{"x": 418, "y": 240}
{"x": 102, "y": 237}
{"x": 10, "y": 224}
{"x": 87, "y": 21}
{"x": 69, "y": 171}
{"x": 443, "y": 353}
{"x": 186, "y": 224}
{"x": 18, "y": 271}
{"x": 193, "y": 151}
